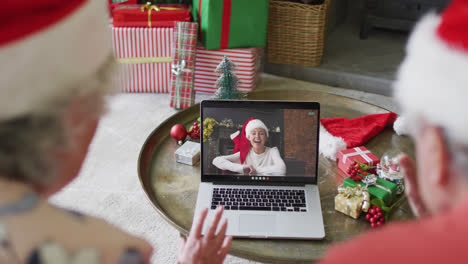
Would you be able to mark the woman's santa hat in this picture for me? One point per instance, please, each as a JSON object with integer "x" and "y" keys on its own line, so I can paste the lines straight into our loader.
{"x": 46, "y": 47}
{"x": 432, "y": 81}
{"x": 241, "y": 142}
{"x": 253, "y": 124}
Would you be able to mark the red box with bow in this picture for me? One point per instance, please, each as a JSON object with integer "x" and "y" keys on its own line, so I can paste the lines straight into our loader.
{"x": 150, "y": 15}
{"x": 360, "y": 154}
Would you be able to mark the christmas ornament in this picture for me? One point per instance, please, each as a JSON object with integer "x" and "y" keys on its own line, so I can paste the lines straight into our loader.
{"x": 375, "y": 216}
{"x": 178, "y": 133}
{"x": 194, "y": 131}
{"x": 227, "y": 82}
{"x": 389, "y": 169}
{"x": 357, "y": 170}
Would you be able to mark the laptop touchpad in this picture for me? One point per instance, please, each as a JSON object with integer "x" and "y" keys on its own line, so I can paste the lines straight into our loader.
{"x": 257, "y": 224}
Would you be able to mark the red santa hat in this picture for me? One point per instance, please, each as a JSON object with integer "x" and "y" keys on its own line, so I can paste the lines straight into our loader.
{"x": 432, "y": 81}
{"x": 47, "y": 46}
{"x": 255, "y": 123}
{"x": 241, "y": 142}
{"x": 342, "y": 133}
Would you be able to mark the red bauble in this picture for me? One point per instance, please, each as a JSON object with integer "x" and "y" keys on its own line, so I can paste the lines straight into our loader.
{"x": 178, "y": 133}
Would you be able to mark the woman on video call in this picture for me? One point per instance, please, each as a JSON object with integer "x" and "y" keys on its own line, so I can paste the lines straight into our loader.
{"x": 251, "y": 156}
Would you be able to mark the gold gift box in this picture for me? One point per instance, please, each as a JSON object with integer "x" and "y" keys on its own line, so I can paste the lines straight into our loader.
{"x": 351, "y": 201}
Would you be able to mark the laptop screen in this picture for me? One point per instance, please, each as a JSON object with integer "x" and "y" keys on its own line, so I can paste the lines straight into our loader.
{"x": 259, "y": 141}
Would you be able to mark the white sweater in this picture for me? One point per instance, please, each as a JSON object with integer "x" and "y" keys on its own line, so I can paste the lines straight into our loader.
{"x": 269, "y": 163}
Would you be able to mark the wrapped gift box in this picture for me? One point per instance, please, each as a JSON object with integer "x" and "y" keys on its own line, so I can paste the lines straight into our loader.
{"x": 183, "y": 65}
{"x": 188, "y": 153}
{"x": 384, "y": 190}
{"x": 232, "y": 24}
{"x": 149, "y": 16}
{"x": 145, "y": 58}
{"x": 248, "y": 67}
{"x": 351, "y": 201}
{"x": 360, "y": 154}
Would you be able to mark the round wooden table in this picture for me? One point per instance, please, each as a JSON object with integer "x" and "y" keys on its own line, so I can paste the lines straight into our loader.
{"x": 172, "y": 187}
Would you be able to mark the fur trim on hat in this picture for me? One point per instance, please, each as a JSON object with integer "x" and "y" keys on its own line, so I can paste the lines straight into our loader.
{"x": 329, "y": 145}
{"x": 432, "y": 80}
{"x": 46, "y": 64}
{"x": 256, "y": 123}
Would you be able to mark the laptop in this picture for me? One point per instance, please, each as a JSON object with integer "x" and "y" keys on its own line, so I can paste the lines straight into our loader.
{"x": 259, "y": 159}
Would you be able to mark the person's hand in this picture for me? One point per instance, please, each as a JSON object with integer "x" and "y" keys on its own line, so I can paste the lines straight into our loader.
{"x": 249, "y": 170}
{"x": 211, "y": 248}
{"x": 409, "y": 170}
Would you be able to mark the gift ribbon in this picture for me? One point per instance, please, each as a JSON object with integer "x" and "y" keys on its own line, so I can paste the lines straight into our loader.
{"x": 356, "y": 192}
{"x": 359, "y": 152}
{"x": 199, "y": 18}
{"x": 371, "y": 180}
{"x": 144, "y": 60}
{"x": 180, "y": 68}
{"x": 226, "y": 23}
{"x": 148, "y": 6}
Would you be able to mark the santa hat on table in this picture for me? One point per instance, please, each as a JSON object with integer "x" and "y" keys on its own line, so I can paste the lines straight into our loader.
{"x": 241, "y": 142}
{"x": 432, "y": 81}
{"x": 46, "y": 46}
{"x": 342, "y": 133}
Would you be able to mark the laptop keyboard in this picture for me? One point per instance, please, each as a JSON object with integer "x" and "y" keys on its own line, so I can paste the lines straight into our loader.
{"x": 259, "y": 199}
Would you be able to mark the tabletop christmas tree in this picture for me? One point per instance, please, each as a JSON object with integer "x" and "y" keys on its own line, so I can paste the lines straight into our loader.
{"x": 227, "y": 82}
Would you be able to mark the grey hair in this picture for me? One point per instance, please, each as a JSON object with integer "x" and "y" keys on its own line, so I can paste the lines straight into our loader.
{"x": 27, "y": 142}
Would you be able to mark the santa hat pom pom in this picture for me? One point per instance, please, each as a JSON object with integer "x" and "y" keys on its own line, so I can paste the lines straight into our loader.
{"x": 400, "y": 126}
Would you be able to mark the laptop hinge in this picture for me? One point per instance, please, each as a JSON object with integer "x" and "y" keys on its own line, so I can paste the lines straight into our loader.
{"x": 259, "y": 183}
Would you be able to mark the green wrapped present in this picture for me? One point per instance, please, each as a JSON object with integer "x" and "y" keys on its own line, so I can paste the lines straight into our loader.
{"x": 231, "y": 23}
{"x": 378, "y": 187}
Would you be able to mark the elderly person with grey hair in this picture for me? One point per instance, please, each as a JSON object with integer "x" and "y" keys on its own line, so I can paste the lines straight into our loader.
{"x": 431, "y": 88}
{"x": 54, "y": 74}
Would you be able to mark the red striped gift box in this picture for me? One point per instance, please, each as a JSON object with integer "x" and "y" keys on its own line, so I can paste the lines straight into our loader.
{"x": 248, "y": 67}
{"x": 145, "y": 57}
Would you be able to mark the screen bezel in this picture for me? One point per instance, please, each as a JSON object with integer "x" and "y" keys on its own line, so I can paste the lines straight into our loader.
{"x": 258, "y": 104}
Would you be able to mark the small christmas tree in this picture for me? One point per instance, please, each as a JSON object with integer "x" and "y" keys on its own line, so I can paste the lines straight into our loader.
{"x": 227, "y": 82}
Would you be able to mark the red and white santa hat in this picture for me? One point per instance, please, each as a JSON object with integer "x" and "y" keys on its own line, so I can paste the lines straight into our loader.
{"x": 432, "y": 81}
{"x": 255, "y": 123}
{"x": 46, "y": 46}
{"x": 342, "y": 133}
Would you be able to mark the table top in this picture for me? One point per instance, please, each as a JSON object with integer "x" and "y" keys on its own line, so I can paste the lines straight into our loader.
{"x": 172, "y": 187}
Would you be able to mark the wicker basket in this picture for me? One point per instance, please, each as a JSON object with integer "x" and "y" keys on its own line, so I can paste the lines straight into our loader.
{"x": 296, "y": 32}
